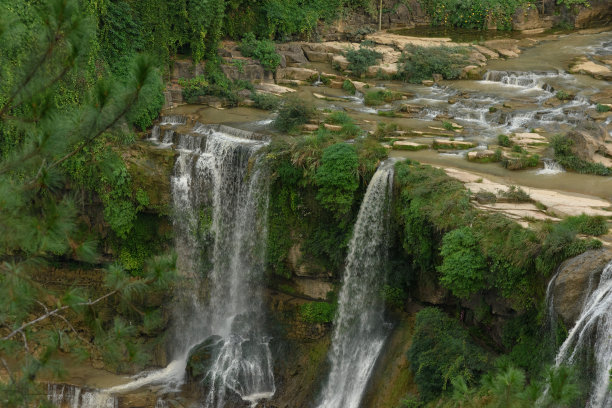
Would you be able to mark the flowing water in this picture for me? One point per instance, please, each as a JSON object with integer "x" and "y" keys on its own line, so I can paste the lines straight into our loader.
{"x": 69, "y": 396}
{"x": 220, "y": 196}
{"x": 590, "y": 341}
{"x": 359, "y": 329}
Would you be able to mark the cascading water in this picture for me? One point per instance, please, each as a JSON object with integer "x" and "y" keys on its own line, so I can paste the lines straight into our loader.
{"x": 220, "y": 195}
{"x": 69, "y": 396}
{"x": 359, "y": 329}
{"x": 592, "y": 335}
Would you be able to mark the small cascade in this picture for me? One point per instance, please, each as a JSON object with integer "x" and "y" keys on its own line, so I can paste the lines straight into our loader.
{"x": 525, "y": 80}
{"x": 359, "y": 328}
{"x": 70, "y": 396}
{"x": 591, "y": 339}
{"x": 550, "y": 167}
{"x": 220, "y": 197}
{"x": 173, "y": 120}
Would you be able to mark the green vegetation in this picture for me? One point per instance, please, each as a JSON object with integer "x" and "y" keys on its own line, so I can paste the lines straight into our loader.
{"x": 361, "y": 59}
{"x": 472, "y": 14}
{"x": 263, "y": 50}
{"x": 603, "y": 108}
{"x": 587, "y": 224}
{"x": 380, "y": 97}
{"x": 337, "y": 178}
{"x": 58, "y": 127}
{"x": 266, "y": 101}
{"x": 563, "y": 95}
{"x": 293, "y": 113}
{"x": 515, "y": 194}
{"x": 213, "y": 83}
{"x": 520, "y": 161}
{"x": 442, "y": 350}
{"x": 318, "y": 312}
{"x": 504, "y": 140}
{"x": 562, "y": 146}
{"x": 349, "y": 87}
{"x": 419, "y": 63}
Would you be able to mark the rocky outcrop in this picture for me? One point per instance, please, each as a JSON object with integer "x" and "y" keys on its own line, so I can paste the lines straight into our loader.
{"x": 583, "y": 65}
{"x": 592, "y": 144}
{"x": 599, "y": 12}
{"x": 576, "y": 279}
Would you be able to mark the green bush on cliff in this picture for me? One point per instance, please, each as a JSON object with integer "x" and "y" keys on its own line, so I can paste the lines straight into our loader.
{"x": 262, "y": 50}
{"x": 463, "y": 266}
{"x": 419, "y": 63}
{"x": 587, "y": 225}
{"x": 318, "y": 312}
{"x": 472, "y": 14}
{"x": 441, "y": 350}
{"x": 337, "y": 178}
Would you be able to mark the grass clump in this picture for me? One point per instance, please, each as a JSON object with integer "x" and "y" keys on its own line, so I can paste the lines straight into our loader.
{"x": 603, "y": 108}
{"x": 262, "y": 50}
{"x": 587, "y": 224}
{"x": 349, "y": 128}
{"x": 563, "y": 95}
{"x": 504, "y": 140}
{"x": 266, "y": 101}
{"x": 293, "y": 113}
{"x": 520, "y": 162}
{"x": 515, "y": 194}
{"x": 419, "y": 63}
{"x": 564, "y": 155}
{"x": 349, "y": 87}
{"x": 361, "y": 59}
{"x": 380, "y": 97}
{"x": 318, "y": 312}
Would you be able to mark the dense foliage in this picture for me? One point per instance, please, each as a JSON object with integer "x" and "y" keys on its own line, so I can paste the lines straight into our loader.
{"x": 562, "y": 146}
{"x": 361, "y": 59}
{"x": 473, "y": 14}
{"x": 419, "y": 63}
{"x": 52, "y": 149}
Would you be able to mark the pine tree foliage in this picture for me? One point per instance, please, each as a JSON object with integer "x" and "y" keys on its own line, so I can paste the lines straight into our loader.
{"x": 39, "y": 215}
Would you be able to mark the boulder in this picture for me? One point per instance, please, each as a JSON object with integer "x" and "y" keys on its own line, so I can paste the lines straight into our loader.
{"x": 295, "y": 73}
{"x": 589, "y": 142}
{"x": 481, "y": 155}
{"x": 274, "y": 89}
{"x": 576, "y": 279}
{"x": 472, "y": 72}
{"x": 340, "y": 61}
{"x": 199, "y": 360}
{"x": 292, "y": 52}
{"x": 382, "y": 69}
{"x": 584, "y": 66}
{"x": 406, "y": 145}
{"x": 490, "y": 54}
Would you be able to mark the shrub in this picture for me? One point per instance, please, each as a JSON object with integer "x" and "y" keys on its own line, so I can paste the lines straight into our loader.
{"x": 562, "y": 146}
{"x": 263, "y": 50}
{"x": 318, "y": 312}
{"x": 463, "y": 266}
{"x": 563, "y": 95}
{"x": 339, "y": 118}
{"x": 603, "y": 108}
{"x": 515, "y": 194}
{"x": 521, "y": 162}
{"x": 337, "y": 178}
{"x": 472, "y": 14}
{"x": 419, "y": 63}
{"x": 504, "y": 140}
{"x": 380, "y": 97}
{"x": 587, "y": 225}
{"x": 361, "y": 59}
{"x": 293, "y": 113}
{"x": 441, "y": 350}
{"x": 349, "y": 87}
{"x": 265, "y": 101}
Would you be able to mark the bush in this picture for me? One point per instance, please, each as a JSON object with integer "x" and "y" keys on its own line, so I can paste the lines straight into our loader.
{"x": 361, "y": 59}
{"x": 263, "y": 50}
{"x": 515, "y": 194}
{"x": 463, "y": 266}
{"x": 563, "y": 96}
{"x": 441, "y": 350}
{"x": 603, "y": 108}
{"x": 293, "y": 113}
{"x": 265, "y": 101}
{"x": 472, "y": 14}
{"x": 337, "y": 178}
{"x": 318, "y": 312}
{"x": 564, "y": 155}
{"x": 504, "y": 140}
{"x": 419, "y": 63}
{"x": 380, "y": 97}
{"x": 521, "y": 162}
{"x": 349, "y": 87}
{"x": 587, "y": 225}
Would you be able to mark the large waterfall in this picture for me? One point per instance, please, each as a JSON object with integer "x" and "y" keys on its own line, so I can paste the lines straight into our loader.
{"x": 592, "y": 335}
{"x": 220, "y": 198}
{"x": 359, "y": 332}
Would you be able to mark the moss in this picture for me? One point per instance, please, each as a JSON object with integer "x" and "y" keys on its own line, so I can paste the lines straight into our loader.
{"x": 440, "y": 144}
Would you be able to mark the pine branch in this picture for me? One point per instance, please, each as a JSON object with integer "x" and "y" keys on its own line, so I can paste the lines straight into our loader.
{"x": 55, "y": 312}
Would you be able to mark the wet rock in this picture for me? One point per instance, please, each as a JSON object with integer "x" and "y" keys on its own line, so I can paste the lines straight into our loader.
{"x": 507, "y": 48}
{"x": 584, "y": 66}
{"x": 472, "y": 72}
{"x": 199, "y": 360}
{"x": 274, "y": 89}
{"x": 481, "y": 156}
{"x": 577, "y": 277}
{"x": 313, "y": 288}
{"x": 528, "y": 139}
{"x": 427, "y": 82}
{"x": 490, "y": 54}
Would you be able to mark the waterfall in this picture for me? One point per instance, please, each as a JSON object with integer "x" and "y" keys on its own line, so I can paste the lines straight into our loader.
{"x": 359, "y": 332}
{"x": 550, "y": 167}
{"x": 220, "y": 197}
{"x": 592, "y": 333}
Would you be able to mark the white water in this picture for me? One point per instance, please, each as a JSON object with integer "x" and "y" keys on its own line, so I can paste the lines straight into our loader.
{"x": 213, "y": 172}
{"x": 550, "y": 167}
{"x": 592, "y": 333}
{"x": 69, "y": 396}
{"x": 359, "y": 330}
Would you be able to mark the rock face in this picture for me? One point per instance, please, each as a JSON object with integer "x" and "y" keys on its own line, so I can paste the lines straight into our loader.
{"x": 599, "y": 12}
{"x": 576, "y": 279}
{"x": 590, "y": 144}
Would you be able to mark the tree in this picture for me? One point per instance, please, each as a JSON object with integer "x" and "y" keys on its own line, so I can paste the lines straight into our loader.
{"x": 39, "y": 215}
